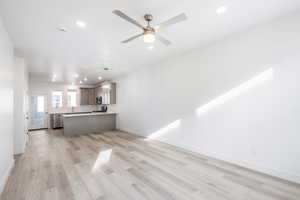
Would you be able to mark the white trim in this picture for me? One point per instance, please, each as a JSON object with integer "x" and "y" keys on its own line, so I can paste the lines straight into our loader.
{"x": 22, "y": 150}
{"x": 6, "y": 175}
{"x": 25, "y": 143}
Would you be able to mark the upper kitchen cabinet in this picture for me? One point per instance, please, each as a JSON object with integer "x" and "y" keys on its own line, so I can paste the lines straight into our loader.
{"x": 98, "y": 91}
{"x": 84, "y": 96}
{"x": 87, "y": 96}
{"x": 106, "y": 93}
{"x": 113, "y": 93}
{"x": 92, "y": 97}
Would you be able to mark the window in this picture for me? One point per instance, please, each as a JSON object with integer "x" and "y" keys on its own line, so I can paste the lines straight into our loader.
{"x": 57, "y": 97}
{"x": 72, "y": 94}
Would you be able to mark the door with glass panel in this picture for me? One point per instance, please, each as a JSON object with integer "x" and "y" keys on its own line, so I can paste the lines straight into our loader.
{"x": 38, "y": 112}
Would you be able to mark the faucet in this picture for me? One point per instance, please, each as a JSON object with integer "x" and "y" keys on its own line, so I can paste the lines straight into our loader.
{"x": 73, "y": 108}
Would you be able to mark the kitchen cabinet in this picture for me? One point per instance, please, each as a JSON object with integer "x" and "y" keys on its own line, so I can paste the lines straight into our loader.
{"x": 84, "y": 96}
{"x": 92, "y": 98}
{"x": 87, "y": 96}
{"x": 98, "y": 91}
{"x": 107, "y": 93}
{"x": 113, "y": 93}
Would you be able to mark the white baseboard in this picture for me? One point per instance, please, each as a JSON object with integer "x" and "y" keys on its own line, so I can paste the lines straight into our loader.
{"x": 21, "y": 150}
{"x": 252, "y": 166}
{"x": 294, "y": 178}
{"x": 6, "y": 175}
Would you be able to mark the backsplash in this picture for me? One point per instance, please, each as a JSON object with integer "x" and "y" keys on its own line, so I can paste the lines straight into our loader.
{"x": 85, "y": 108}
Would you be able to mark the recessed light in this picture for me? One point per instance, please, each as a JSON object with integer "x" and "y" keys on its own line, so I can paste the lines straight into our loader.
{"x": 76, "y": 75}
{"x": 99, "y": 77}
{"x": 221, "y": 10}
{"x": 80, "y": 82}
{"x": 85, "y": 79}
{"x": 81, "y": 24}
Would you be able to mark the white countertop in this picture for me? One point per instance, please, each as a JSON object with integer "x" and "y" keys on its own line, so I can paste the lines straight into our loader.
{"x": 88, "y": 114}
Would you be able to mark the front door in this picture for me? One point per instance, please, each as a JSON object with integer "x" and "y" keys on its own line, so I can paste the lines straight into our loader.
{"x": 38, "y": 112}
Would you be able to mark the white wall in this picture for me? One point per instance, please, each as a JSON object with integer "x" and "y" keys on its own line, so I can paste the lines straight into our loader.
{"x": 6, "y": 105}
{"x": 20, "y": 105}
{"x": 257, "y": 128}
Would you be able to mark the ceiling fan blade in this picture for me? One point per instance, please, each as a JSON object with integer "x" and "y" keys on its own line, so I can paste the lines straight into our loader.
{"x": 163, "y": 40}
{"x": 132, "y": 38}
{"x": 127, "y": 18}
{"x": 179, "y": 18}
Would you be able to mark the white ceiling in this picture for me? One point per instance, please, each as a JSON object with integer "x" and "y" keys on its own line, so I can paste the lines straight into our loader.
{"x": 33, "y": 24}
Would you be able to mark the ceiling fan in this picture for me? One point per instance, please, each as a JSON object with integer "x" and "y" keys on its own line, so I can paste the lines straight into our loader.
{"x": 150, "y": 33}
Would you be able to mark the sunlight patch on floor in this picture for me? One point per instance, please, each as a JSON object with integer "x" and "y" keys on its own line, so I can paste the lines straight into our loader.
{"x": 165, "y": 130}
{"x": 103, "y": 158}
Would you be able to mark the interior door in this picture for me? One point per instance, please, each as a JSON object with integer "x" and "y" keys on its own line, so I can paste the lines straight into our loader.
{"x": 38, "y": 112}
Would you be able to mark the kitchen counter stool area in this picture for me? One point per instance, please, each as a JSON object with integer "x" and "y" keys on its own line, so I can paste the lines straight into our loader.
{"x": 77, "y": 124}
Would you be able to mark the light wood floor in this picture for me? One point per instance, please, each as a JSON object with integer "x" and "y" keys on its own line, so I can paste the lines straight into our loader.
{"x": 117, "y": 165}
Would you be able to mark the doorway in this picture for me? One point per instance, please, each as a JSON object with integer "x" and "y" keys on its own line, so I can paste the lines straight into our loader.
{"x": 38, "y": 112}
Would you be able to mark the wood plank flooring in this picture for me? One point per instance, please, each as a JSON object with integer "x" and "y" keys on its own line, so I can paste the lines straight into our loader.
{"x": 120, "y": 166}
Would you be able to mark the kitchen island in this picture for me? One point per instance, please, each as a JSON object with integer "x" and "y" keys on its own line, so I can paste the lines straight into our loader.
{"x": 93, "y": 122}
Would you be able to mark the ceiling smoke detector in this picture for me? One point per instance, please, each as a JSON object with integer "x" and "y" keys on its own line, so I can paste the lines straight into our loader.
{"x": 62, "y": 29}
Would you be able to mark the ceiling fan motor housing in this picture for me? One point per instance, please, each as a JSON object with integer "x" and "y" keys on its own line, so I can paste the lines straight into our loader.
{"x": 148, "y": 17}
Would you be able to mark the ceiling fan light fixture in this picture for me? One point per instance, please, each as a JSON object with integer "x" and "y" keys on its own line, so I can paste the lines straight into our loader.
{"x": 149, "y": 37}
{"x": 149, "y": 31}
{"x": 151, "y": 47}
